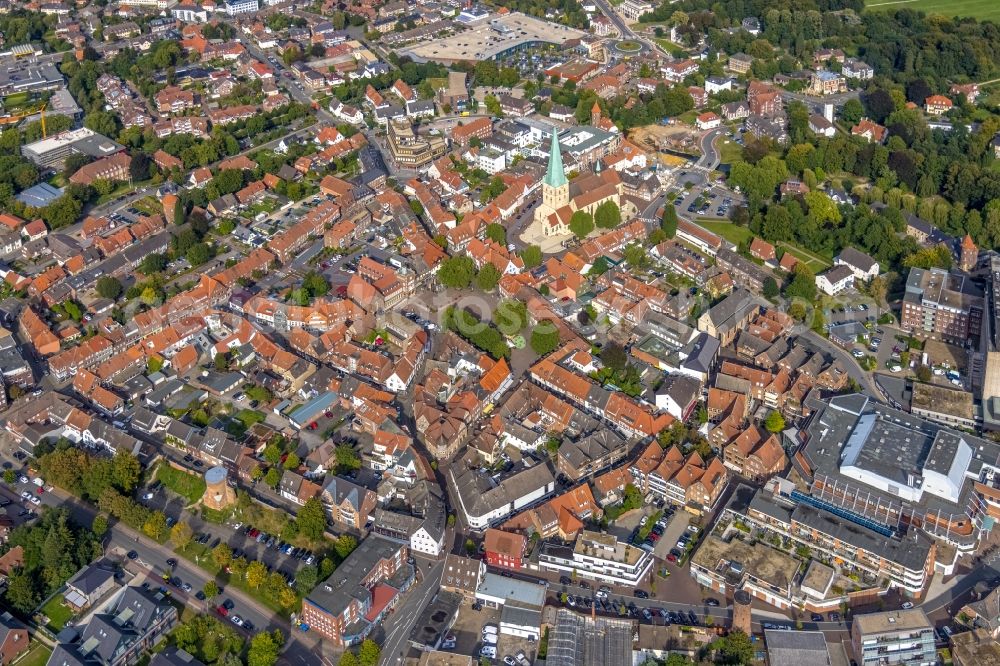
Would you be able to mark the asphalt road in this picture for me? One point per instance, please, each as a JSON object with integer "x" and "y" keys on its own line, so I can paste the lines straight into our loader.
{"x": 710, "y": 156}
{"x": 394, "y": 633}
{"x": 623, "y": 29}
{"x": 152, "y": 560}
{"x": 719, "y": 614}
{"x": 864, "y": 379}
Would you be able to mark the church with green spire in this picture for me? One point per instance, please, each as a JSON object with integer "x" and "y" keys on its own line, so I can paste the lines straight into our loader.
{"x": 555, "y": 185}
{"x": 560, "y": 200}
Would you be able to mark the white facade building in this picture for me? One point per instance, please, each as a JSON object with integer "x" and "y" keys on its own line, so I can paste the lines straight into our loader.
{"x": 237, "y": 7}
{"x": 599, "y": 557}
{"x": 835, "y": 280}
{"x": 422, "y": 541}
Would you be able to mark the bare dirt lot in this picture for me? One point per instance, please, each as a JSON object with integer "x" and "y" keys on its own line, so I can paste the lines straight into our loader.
{"x": 681, "y": 138}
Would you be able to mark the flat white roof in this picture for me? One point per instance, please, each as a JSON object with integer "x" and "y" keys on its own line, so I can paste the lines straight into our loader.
{"x": 487, "y": 40}
{"x": 61, "y": 139}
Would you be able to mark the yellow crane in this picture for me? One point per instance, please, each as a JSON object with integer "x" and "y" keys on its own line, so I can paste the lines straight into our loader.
{"x": 18, "y": 117}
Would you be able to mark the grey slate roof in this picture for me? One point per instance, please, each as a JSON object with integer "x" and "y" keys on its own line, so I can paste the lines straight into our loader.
{"x": 334, "y": 594}
{"x": 92, "y": 577}
{"x": 796, "y": 648}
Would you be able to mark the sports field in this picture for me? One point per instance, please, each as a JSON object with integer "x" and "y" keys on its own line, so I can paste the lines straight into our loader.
{"x": 980, "y": 9}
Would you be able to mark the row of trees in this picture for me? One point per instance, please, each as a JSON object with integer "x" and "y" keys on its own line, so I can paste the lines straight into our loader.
{"x": 606, "y": 216}
{"x": 55, "y": 548}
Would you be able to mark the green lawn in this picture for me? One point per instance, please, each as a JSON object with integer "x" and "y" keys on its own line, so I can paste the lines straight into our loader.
{"x": 38, "y": 655}
{"x": 17, "y": 99}
{"x": 184, "y": 484}
{"x": 58, "y": 613}
{"x": 148, "y": 205}
{"x": 736, "y": 234}
{"x": 816, "y": 263}
{"x": 980, "y": 9}
{"x": 669, "y": 46}
{"x": 731, "y": 232}
{"x": 730, "y": 152}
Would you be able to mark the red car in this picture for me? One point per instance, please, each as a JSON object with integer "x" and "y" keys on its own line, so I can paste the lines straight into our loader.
{"x": 221, "y": 610}
{"x": 254, "y": 533}
{"x": 313, "y": 425}
{"x": 671, "y": 558}
{"x": 329, "y": 415}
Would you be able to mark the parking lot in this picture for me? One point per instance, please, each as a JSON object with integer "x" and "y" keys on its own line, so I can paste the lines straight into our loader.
{"x": 521, "y": 650}
{"x": 706, "y": 202}
{"x": 469, "y": 626}
{"x": 239, "y": 537}
{"x": 676, "y": 526}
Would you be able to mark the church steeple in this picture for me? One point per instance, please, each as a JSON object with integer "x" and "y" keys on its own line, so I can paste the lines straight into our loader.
{"x": 555, "y": 176}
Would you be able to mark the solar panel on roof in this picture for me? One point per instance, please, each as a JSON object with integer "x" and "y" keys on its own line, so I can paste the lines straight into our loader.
{"x": 846, "y": 514}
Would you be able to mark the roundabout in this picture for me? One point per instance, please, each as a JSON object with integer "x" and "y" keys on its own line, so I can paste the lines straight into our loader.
{"x": 628, "y": 47}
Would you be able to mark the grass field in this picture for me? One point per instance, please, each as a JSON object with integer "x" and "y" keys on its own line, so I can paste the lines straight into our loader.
{"x": 980, "y": 9}
{"x": 38, "y": 655}
{"x": 669, "y": 46}
{"x": 736, "y": 234}
{"x": 733, "y": 233}
{"x": 815, "y": 262}
{"x": 186, "y": 485}
{"x": 730, "y": 152}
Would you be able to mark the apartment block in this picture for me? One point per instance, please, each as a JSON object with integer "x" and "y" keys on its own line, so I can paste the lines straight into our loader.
{"x": 942, "y": 305}
{"x": 598, "y": 557}
{"x": 347, "y": 607}
{"x": 894, "y": 637}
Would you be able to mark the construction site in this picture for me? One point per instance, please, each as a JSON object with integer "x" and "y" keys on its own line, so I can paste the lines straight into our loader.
{"x": 673, "y": 143}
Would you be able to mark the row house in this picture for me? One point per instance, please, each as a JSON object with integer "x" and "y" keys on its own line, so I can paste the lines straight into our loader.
{"x": 193, "y": 125}
{"x": 88, "y": 353}
{"x": 687, "y": 482}
{"x": 505, "y": 549}
{"x": 755, "y": 454}
{"x": 87, "y": 386}
{"x": 488, "y": 251}
{"x": 632, "y": 418}
{"x": 232, "y": 114}
{"x": 296, "y": 488}
{"x": 36, "y": 332}
{"x": 564, "y": 516}
{"x": 585, "y": 456}
{"x": 285, "y": 244}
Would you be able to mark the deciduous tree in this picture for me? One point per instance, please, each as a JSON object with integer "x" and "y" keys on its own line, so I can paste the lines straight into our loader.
{"x": 581, "y": 223}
